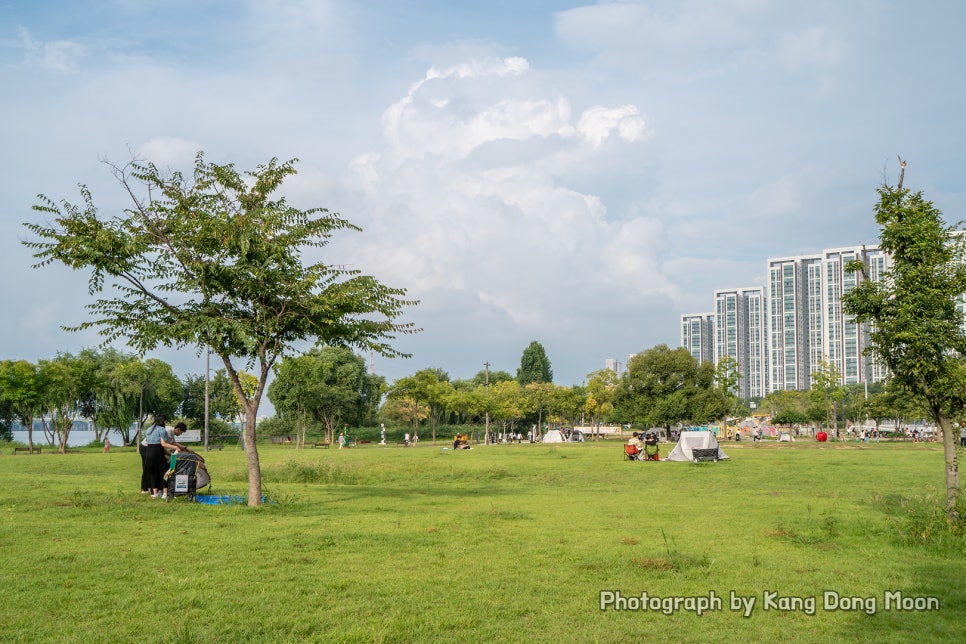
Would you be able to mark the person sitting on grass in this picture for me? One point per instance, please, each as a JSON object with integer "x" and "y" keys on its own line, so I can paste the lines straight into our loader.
{"x": 638, "y": 447}
{"x": 636, "y": 441}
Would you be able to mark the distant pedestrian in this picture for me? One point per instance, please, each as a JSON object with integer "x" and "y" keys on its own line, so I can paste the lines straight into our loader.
{"x": 962, "y": 436}
{"x": 107, "y": 444}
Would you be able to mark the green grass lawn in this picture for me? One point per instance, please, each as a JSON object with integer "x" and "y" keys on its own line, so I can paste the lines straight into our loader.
{"x": 500, "y": 543}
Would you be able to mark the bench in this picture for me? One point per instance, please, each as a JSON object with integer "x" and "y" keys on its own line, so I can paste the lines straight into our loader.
{"x": 314, "y": 445}
{"x": 26, "y": 450}
{"x": 219, "y": 447}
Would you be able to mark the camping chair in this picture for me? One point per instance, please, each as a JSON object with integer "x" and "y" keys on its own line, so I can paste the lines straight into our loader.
{"x": 652, "y": 452}
{"x": 631, "y": 453}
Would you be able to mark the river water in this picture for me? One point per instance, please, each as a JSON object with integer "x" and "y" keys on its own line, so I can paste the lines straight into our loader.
{"x": 77, "y": 438}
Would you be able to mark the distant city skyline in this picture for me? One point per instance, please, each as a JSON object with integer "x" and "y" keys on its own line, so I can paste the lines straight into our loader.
{"x": 778, "y": 341}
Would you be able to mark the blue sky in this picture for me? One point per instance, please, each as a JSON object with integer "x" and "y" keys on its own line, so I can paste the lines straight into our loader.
{"x": 579, "y": 174}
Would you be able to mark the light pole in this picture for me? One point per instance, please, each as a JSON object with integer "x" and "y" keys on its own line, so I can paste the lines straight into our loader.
{"x": 207, "y": 395}
{"x": 486, "y": 383}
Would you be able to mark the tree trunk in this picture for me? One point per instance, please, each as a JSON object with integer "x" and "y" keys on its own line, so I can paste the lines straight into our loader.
{"x": 952, "y": 469}
{"x": 949, "y": 453}
{"x": 251, "y": 456}
{"x": 64, "y": 433}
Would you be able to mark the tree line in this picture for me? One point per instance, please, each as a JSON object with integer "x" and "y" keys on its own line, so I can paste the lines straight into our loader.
{"x": 116, "y": 392}
{"x": 662, "y": 387}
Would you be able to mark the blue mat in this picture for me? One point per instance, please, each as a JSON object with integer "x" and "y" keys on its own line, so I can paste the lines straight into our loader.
{"x": 209, "y": 499}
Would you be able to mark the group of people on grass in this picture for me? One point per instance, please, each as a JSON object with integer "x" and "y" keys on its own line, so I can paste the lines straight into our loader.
{"x": 645, "y": 447}
{"x": 158, "y": 443}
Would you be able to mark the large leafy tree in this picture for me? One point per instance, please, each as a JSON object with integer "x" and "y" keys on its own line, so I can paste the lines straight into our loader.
{"x": 541, "y": 396}
{"x": 327, "y": 385}
{"x": 916, "y": 328}
{"x": 507, "y": 403}
{"x": 223, "y": 403}
{"x": 144, "y": 388}
{"x": 601, "y": 389}
{"x": 216, "y": 260}
{"x": 827, "y": 391}
{"x": 567, "y": 404}
{"x": 22, "y": 386}
{"x": 405, "y": 409}
{"x": 465, "y": 403}
{"x": 430, "y": 388}
{"x": 63, "y": 378}
{"x": 484, "y": 377}
{"x": 534, "y": 365}
{"x": 92, "y": 385}
{"x": 778, "y": 402}
{"x": 664, "y": 386}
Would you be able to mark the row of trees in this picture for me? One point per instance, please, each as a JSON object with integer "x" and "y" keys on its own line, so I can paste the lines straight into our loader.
{"x": 114, "y": 391}
{"x": 663, "y": 386}
{"x": 836, "y": 406}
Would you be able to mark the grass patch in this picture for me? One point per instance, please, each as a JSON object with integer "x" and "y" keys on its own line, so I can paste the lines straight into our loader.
{"x": 498, "y": 543}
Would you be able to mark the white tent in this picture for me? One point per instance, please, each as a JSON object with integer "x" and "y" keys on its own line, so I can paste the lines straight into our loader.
{"x": 785, "y": 437}
{"x": 554, "y": 436}
{"x": 690, "y": 441}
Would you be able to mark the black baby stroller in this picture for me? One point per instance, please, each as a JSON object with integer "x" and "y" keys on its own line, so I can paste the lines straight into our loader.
{"x": 187, "y": 474}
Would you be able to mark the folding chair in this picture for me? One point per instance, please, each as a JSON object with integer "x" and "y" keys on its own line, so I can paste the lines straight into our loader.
{"x": 631, "y": 453}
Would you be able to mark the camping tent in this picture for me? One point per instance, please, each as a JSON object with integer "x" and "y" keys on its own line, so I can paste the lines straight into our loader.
{"x": 554, "y": 436}
{"x": 785, "y": 437}
{"x": 689, "y": 441}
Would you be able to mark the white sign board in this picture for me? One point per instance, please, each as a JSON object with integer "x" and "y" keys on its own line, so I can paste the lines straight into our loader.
{"x": 180, "y": 483}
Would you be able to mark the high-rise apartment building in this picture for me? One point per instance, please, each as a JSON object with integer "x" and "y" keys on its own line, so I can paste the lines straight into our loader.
{"x": 697, "y": 335}
{"x": 794, "y": 320}
{"x": 877, "y": 262}
{"x": 844, "y": 340}
{"x": 781, "y": 334}
{"x": 807, "y": 324}
{"x": 740, "y": 333}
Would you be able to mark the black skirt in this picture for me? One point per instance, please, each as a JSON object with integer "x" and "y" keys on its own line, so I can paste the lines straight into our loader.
{"x": 156, "y": 465}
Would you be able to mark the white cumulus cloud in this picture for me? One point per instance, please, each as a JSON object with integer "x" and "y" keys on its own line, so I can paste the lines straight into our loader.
{"x": 476, "y": 170}
{"x": 598, "y": 123}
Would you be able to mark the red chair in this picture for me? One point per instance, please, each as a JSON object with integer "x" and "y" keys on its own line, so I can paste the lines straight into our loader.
{"x": 631, "y": 453}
